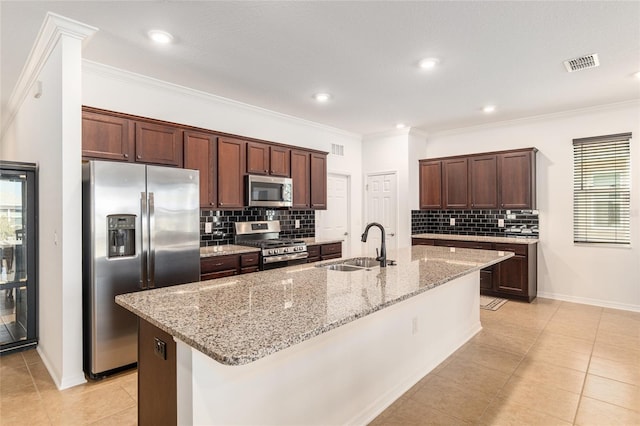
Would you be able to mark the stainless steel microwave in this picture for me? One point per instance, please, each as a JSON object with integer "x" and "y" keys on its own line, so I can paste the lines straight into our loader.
{"x": 269, "y": 191}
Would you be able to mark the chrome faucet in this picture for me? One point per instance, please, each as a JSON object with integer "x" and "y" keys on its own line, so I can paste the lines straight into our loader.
{"x": 382, "y": 255}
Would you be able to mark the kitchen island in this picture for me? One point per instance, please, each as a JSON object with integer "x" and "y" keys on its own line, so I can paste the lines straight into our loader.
{"x": 310, "y": 345}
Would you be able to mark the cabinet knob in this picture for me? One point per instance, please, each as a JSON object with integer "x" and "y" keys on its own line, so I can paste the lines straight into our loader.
{"x": 126, "y": 155}
{"x": 138, "y": 157}
{"x": 212, "y": 204}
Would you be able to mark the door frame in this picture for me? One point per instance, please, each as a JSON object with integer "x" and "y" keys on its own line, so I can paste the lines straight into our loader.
{"x": 365, "y": 193}
{"x": 347, "y": 246}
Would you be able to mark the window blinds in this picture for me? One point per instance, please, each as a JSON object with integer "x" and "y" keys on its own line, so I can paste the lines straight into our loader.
{"x": 602, "y": 189}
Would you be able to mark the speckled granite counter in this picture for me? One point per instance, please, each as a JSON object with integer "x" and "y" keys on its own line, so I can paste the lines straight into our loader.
{"x": 313, "y": 241}
{"x": 225, "y": 249}
{"x": 479, "y": 238}
{"x": 240, "y": 319}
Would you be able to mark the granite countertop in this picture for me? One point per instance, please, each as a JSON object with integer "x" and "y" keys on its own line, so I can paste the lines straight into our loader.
{"x": 313, "y": 241}
{"x": 239, "y": 319}
{"x": 224, "y": 249}
{"x": 478, "y": 238}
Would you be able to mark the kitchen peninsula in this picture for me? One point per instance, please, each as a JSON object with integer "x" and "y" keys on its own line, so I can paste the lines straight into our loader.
{"x": 307, "y": 344}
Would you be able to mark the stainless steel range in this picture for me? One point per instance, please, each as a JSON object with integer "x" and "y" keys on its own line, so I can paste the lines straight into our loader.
{"x": 275, "y": 252}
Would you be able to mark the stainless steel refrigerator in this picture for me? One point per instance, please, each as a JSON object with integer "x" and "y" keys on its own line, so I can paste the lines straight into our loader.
{"x": 141, "y": 230}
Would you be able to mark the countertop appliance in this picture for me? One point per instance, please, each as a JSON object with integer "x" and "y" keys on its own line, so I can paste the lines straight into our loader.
{"x": 141, "y": 230}
{"x": 275, "y": 252}
{"x": 269, "y": 191}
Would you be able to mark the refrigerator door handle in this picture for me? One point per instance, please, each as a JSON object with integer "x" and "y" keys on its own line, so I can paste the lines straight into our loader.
{"x": 152, "y": 249}
{"x": 143, "y": 240}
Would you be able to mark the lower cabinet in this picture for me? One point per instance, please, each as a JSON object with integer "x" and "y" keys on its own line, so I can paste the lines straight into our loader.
{"x": 249, "y": 263}
{"x": 157, "y": 392}
{"x": 324, "y": 252}
{"x": 514, "y": 278}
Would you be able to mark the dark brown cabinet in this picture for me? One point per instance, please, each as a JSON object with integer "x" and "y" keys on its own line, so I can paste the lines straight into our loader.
{"x": 158, "y": 144}
{"x": 219, "y": 266}
{"x": 301, "y": 177}
{"x": 258, "y": 158}
{"x": 231, "y": 171}
{"x": 249, "y": 262}
{"x": 493, "y": 180}
{"x": 456, "y": 183}
{"x": 157, "y": 375}
{"x": 106, "y": 137}
{"x": 313, "y": 253}
{"x": 517, "y": 177}
{"x": 483, "y": 182}
{"x": 430, "y": 184}
{"x": 514, "y": 278}
{"x": 330, "y": 251}
{"x": 200, "y": 154}
{"x": 318, "y": 168}
{"x": 280, "y": 161}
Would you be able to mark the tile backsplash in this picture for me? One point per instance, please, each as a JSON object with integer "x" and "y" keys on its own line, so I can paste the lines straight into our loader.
{"x": 517, "y": 223}
{"x": 223, "y": 228}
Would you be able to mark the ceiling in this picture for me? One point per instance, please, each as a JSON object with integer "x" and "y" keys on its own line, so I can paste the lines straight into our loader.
{"x": 276, "y": 55}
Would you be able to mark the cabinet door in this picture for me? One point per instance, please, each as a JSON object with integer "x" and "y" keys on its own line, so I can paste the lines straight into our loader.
{"x": 200, "y": 154}
{"x": 106, "y": 137}
{"x": 301, "y": 177}
{"x": 430, "y": 184}
{"x": 517, "y": 180}
{"x": 257, "y": 158}
{"x": 318, "y": 168}
{"x": 231, "y": 171}
{"x": 158, "y": 144}
{"x": 512, "y": 274}
{"x": 455, "y": 183}
{"x": 280, "y": 161}
{"x": 483, "y": 178}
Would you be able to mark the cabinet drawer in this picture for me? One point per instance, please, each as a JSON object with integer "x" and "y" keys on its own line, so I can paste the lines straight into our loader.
{"x": 219, "y": 263}
{"x": 465, "y": 244}
{"x": 329, "y": 249}
{"x": 520, "y": 249}
{"x": 249, "y": 269}
{"x": 250, "y": 259}
{"x": 422, "y": 242}
{"x": 214, "y": 275}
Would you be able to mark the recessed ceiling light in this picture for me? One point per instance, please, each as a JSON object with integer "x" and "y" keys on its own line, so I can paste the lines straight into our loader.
{"x": 489, "y": 109}
{"x": 428, "y": 63}
{"x": 400, "y": 126}
{"x": 322, "y": 97}
{"x": 160, "y": 37}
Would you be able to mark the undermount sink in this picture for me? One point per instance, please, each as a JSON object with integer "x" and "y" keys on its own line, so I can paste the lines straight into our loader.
{"x": 363, "y": 262}
{"x": 342, "y": 267}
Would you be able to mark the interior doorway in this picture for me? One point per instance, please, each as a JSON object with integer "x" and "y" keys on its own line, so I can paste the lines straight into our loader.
{"x": 335, "y": 221}
{"x": 382, "y": 206}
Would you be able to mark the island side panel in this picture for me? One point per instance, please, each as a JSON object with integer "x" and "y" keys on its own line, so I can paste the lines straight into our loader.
{"x": 157, "y": 394}
{"x": 348, "y": 375}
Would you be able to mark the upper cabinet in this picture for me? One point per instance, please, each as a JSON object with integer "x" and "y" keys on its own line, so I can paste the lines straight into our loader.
{"x": 158, "y": 144}
{"x": 231, "y": 171}
{"x": 494, "y": 180}
{"x": 318, "y": 167}
{"x": 107, "y": 137}
{"x": 430, "y": 184}
{"x": 266, "y": 159}
{"x": 200, "y": 153}
{"x": 301, "y": 177}
{"x": 517, "y": 179}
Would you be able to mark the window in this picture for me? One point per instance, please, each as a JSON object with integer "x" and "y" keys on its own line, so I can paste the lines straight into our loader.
{"x": 602, "y": 189}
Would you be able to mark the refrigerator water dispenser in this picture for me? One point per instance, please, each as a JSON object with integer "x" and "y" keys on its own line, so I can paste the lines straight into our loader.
{"x": 122, "y": 235}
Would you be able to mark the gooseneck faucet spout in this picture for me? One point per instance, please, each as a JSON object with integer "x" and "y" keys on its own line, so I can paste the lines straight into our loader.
{"x": 382, "y": 255}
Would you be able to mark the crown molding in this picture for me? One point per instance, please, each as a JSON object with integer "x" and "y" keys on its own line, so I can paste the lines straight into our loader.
{"x": 52, "y": 30}
{"x": 140, "y": 79}
{"x": 539, "y": 118}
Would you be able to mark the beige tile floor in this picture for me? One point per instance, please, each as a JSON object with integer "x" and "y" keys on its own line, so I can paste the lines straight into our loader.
{"x": 544, "y": 363}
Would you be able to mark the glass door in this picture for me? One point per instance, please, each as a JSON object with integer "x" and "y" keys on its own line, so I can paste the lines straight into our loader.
{"x": 18, "y": 239}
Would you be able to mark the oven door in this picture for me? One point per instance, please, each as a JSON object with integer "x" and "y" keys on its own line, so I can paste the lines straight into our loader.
{"x": 282, "y": 261}
{"x": 267, "y": 191}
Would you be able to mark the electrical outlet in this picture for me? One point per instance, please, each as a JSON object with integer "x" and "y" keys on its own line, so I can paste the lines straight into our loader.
{"x": 208, "y": 227}
{"x": 159, "y": 348}
{"x": 511, "y": 216}
{"x": 297, "y": 225}
{"x": 500, "y": 223}
{"x": 452, "y": 221}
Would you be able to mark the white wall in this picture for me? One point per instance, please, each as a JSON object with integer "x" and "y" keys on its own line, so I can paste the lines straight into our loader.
{"x": 47, "y": 131}
{"x": 605, "y": 276}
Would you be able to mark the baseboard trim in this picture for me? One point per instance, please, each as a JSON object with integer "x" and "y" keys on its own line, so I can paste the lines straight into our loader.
{"x": 590, "y": 301}
{"x": 60, "y": 382}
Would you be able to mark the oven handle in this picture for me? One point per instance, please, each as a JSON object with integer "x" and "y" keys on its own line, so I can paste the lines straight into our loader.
{"x": 284, "y": 257}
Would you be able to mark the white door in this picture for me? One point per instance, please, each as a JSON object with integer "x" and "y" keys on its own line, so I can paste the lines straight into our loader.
{"x": 382, "y": 207}
{"x": 334, "y": 222}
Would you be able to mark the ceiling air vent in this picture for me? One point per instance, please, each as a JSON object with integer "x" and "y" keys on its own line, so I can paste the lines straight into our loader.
{"x": 582, "y": 63}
